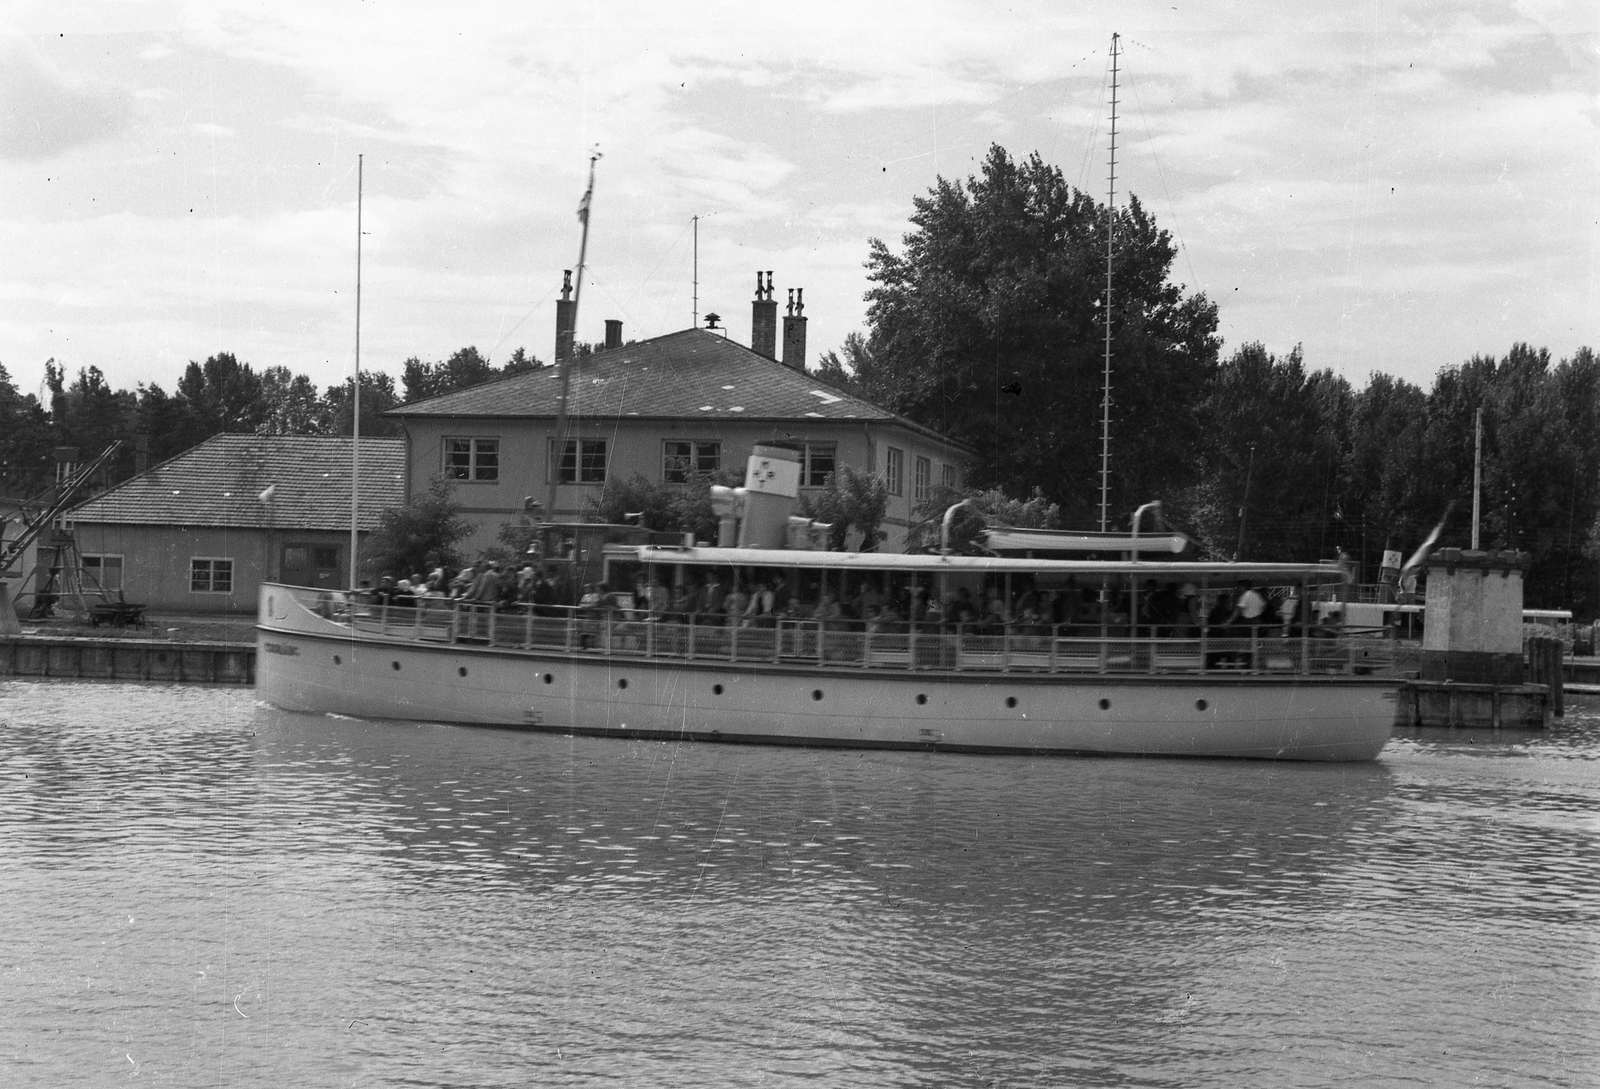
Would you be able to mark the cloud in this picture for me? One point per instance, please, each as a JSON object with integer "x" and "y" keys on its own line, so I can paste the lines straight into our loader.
{"x": 43, "y": 114}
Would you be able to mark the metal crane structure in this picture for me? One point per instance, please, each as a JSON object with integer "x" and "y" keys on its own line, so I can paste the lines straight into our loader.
{"x": 13, "y": 549}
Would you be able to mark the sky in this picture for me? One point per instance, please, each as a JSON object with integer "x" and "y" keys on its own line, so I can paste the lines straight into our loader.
{"x": 1395, "y": 186}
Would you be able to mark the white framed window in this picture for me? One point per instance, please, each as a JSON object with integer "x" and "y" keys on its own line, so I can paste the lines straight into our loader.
{"x": 894, "y": 470}
{"x": 582, "y": 461}
{"x": 210, "y": 575}
{"x": 683, "y": 460}
{"x": 821, "y": 460}
{"x": 947, "y": 475}
{"x": 472, "y": 460}
{"x": 923, "y": 481}
{"x": 104, "y": 570}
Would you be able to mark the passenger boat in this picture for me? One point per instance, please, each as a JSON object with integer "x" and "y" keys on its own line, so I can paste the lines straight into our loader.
{"x": 1101, "y": 675}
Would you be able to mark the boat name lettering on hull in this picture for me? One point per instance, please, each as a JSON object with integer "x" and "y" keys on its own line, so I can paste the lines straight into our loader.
{"x": 282, "y": 648}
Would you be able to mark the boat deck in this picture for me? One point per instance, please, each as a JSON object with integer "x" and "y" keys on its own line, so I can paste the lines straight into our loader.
{"x": 853, "y": 646}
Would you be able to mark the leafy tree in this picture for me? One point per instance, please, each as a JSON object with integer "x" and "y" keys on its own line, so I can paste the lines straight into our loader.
{"x": 426, "y": 529}
{"x": 466, "y": 368}
{"x": 984, "y": 507}
{"x": 989, "y": 328}
{"x": 222, "y": 395}
{"x": 852, "y": 500}
{"x": 1272, "y": 459}
{"x": 666, "y": 507}
{"x": 377, "y": 397}
{"x": 25, "y": 441}
{"x": 292, "y": 404}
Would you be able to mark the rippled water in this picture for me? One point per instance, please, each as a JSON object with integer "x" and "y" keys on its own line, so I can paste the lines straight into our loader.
{"x": 201, "y": 891}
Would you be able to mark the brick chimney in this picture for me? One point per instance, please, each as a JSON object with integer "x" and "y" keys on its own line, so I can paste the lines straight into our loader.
{"x": 564, "y": 318}
{"x": 764, "y": 320}
{"x": 613, "y": 333}
{"x": 794, "y": 331}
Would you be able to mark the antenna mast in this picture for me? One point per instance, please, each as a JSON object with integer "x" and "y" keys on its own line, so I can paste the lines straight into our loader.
{"x": 355, "y": 397}
{"x": 1105, "y": 401}
{"x": 694, "y": 321}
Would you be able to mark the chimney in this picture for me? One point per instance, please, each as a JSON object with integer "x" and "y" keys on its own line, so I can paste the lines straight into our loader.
{"x": 564, "y": 318}
{"x": 764, "y": 320}
{"x": 794, "y": 331}
{"x": 613, "y": 333}
{"x": 141, "y": 452}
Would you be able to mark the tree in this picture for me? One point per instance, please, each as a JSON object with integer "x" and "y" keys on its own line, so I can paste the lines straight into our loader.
{"x": 291, "y": 404}
{"x": 221, "y": 395}
{"x": 425, "y": 531}
{"x": 25, "y": 441}
{"x": 466, "y": 368}
{"x": 662, "y": 506}
{"x": 852, "y": 500}
{"x": 989, "y": 328}
{"x": 984, "y": 507}
{"x": 377, "y": 397}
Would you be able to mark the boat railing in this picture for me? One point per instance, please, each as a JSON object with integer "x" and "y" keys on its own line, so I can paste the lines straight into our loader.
{"x": 896, "y": 645}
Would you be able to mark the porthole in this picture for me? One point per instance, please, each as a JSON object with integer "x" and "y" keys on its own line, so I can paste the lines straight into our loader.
{"x": 622, "y": 682}
{"x": 337, "y": 660}
{"x": 462, "y": 670}
{"x": 716, "y": 690}
{"x": 922, "y": 697}
{"x": 816, "y": 693}
{"x": 1200, "y": 705}
{"x": 1011, "y": 701}
{"x": 548, "y": 678}
{"x": 394, "y": 665}
{"x": 1105, "y": 705}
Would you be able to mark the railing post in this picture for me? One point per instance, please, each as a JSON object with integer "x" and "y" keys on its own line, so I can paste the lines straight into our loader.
{"x": 572, "y": 629}
{"x": 489, "y": 608}
{"x": 605, "y": 633}
{"x": 911, "y": 646}
{"x": 1055, "y": 632}
{"x": 692, "y": 626}
{"x": 1005, "y": 647}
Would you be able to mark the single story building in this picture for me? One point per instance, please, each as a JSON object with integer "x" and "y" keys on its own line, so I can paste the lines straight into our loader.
{"x": 199, "y": 533}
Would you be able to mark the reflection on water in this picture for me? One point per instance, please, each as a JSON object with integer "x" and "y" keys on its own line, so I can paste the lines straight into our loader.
{"x": 207, "y": 891}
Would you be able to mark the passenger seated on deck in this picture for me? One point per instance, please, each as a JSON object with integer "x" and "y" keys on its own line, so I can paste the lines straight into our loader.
{"x": 960, "y": 609}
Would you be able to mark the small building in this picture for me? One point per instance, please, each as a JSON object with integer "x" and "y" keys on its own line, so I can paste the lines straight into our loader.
{"x": 671, "y": 408}
{"x": 200, "y": 532}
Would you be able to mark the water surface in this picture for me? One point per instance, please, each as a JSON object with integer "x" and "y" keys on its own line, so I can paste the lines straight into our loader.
{"x": 203, "y": 891}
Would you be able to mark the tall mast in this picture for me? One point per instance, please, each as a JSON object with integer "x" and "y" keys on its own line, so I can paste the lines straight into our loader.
{"x": 1105, "y": 400}
{"x": 355, "y": 399}
{"x": 572, "y": 343}
{"x": 694, "y": 321}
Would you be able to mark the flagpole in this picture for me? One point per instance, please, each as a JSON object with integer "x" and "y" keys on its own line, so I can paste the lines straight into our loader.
{"x": 559, "y": 451}
{"x": 355, "y": 398}
{"x": 1477, "y": 476}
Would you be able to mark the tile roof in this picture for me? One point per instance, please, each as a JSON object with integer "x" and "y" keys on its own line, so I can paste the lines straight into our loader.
{"x": 219, "y": 483}
{"x": 689, "y": 374}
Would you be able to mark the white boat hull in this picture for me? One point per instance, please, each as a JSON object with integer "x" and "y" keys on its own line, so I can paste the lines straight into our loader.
{"x": 305, "y": 663}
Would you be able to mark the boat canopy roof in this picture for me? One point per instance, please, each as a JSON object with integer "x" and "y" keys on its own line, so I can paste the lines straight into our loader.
{"x": 928, "y": 564}
{"x": 1006, "y": 539}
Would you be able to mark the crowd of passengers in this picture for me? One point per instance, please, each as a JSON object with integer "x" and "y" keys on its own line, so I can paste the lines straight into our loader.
{"x": 757, "y": 599}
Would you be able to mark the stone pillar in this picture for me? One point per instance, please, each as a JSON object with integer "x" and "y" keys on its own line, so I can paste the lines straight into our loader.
{"x": 1473, "y": 625}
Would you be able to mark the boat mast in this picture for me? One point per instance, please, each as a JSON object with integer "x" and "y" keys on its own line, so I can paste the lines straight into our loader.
{"x": 355, "y": 391}
{"x": 565, "y": 363}
{"x": 1105, "y": 400}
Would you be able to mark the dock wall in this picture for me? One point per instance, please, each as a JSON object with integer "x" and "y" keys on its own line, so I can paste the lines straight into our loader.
{"x": 127, "y": 660}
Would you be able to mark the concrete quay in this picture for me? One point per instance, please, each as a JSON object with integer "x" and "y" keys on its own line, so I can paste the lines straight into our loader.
{"x": 124, "y": 659}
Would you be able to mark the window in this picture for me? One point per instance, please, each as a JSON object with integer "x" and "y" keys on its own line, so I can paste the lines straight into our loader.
{"x": 210, "y": 576}
{"x": 683, "y": 461}
{"x": 894, "y": 470}
{"x": 947, "y": 474}
{"x": 104, "y": 571}
{"x": 924, "y": 479}
{"x": 472, "y": 459}
{"x": 582, "y": 461}
{"x": 819, "y": 464}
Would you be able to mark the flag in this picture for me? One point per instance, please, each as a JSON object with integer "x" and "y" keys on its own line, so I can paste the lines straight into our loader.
{"x": 1420, "y": 556}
